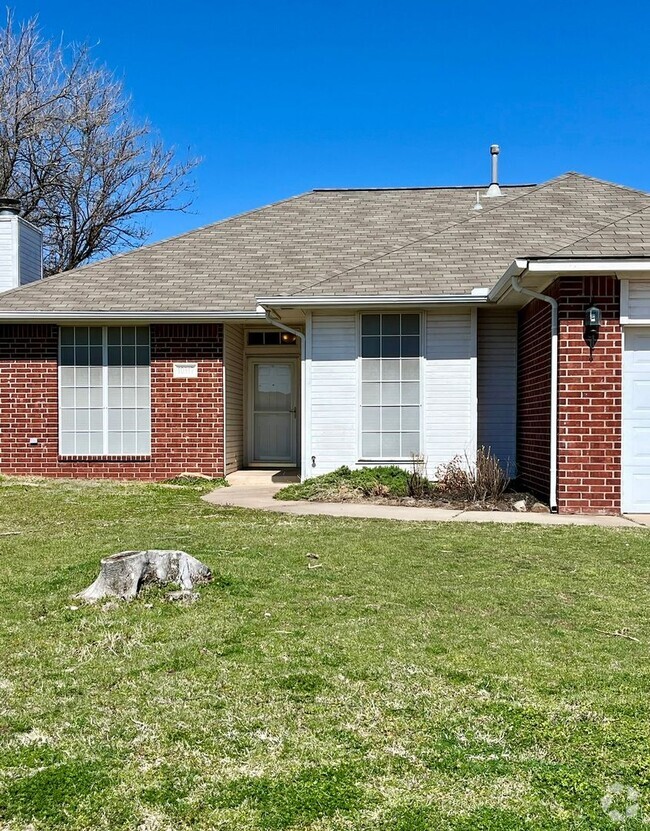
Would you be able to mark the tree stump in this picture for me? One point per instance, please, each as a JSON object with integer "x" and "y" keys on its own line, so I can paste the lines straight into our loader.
{"x": 123, "y": 575}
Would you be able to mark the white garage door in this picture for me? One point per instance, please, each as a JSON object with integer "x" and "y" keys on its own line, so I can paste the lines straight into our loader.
{"x": 636, "y": 421}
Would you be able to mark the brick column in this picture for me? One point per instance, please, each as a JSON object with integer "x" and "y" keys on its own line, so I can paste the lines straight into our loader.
{"x": 590, "y": 398}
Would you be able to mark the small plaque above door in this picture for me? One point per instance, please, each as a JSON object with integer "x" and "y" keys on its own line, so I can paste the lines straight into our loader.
{"x": 190, "y": 370}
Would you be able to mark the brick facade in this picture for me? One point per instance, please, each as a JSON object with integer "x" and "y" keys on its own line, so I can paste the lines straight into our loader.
{"x": 589, "y": 397}
{"x": 187, "y": 415}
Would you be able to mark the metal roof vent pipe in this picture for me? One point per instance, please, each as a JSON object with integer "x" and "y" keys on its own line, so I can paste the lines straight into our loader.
{"x": 494, "y": 189}
{"x": 9, "y": 206}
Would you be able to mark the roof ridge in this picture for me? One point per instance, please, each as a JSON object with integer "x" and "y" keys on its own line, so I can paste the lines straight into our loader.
{"x": 626, "y": 188}
{"x": 420, "y": 187}
{"x": 602, "y": 228}
{"x": 434, "y": 233}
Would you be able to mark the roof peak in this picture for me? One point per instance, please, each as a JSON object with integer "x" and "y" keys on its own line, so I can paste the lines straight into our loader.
{"x": 420, "y": 187}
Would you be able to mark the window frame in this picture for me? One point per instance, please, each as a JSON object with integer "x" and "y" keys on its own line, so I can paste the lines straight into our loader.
{"x": 398, "y": 459}
{"x": 104, "y": 366}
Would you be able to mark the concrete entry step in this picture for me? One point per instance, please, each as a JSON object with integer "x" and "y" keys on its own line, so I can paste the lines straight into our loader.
{"x": 259, "y": 478}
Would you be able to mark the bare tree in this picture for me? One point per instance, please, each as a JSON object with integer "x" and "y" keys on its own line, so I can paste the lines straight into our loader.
{"x": 86, "y": 172}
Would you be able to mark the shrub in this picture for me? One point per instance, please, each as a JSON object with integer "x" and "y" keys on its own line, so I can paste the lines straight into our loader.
{"x": 481, "y": 481}
{"x": 369, "y": 481}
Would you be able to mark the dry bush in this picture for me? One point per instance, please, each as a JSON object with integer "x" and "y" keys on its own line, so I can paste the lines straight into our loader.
{"x": 481, "y": 481}
{"x": 417, "y": 483}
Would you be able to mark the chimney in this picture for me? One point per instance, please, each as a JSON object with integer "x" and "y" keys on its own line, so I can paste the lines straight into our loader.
{"x": 21, "y": 247}
{"x": 494, "y": 189}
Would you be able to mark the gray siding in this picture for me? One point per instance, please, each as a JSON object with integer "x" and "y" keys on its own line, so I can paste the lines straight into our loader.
{"x": 234, "y": 388}
{"x": 30, "y": 248}
{"x": 497, "y": 384}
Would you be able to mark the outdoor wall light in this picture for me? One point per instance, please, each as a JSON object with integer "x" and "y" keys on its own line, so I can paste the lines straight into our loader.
{"x": 593, "y": 319}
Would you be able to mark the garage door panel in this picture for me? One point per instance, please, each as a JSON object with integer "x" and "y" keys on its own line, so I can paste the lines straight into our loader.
{"x": 640, "y": 439}
{"x": 636, "y": 421}
{"x": 638, "y": 396}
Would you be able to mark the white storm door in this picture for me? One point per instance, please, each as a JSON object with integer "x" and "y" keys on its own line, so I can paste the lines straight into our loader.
{"x": 636, "y": 421}
{"x": 273, "y": 412}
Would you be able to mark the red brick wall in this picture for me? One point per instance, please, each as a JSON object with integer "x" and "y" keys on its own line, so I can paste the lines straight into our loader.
{"x": 533, "y": 398}
{"x": 187, "y": 415}
{"x": 589, "y": 398}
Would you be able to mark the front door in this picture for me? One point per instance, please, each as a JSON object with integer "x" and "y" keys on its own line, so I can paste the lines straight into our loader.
{"x": 273, "y": 412}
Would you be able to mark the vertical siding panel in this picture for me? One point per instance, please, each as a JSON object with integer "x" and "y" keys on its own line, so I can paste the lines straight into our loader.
{"x": 30, "y": 247}
{"x": 234, "y": 388}
{"x": 334, "y": 392}
{"x": 449, "y": 403}
{"x": 497, "y": 384}
{"x": 8, "y": 278}
{"x": 639, "y": 299}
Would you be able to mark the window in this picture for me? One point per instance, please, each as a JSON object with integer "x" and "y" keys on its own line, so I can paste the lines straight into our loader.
{"x": 390, "y": 381}
{"x": 104, "y": 391}
{"x": 274, "y": 338}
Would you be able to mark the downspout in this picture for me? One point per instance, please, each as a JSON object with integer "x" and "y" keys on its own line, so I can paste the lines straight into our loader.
{"x": 516, "y": 285}
{"x": 303, "y": 393}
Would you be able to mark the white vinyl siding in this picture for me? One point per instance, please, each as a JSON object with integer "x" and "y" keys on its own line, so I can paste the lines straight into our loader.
{"x": 497, "y": 384}
{"x": 638, "y": 299}
{"x": 449, "y": 387}
{"x": 8, "y": 253}
{"x": 104, "y": 391}
{"x": 20, "y": 253}
{"x": 234, "y": 386}
{"x": 448, "y": 395}
{"x": 333, "y": 382}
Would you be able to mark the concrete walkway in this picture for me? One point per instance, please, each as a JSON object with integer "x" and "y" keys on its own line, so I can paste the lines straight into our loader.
{"x": 255, "y": 489}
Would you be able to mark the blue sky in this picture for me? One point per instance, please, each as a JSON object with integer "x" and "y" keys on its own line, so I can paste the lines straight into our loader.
{"x": 280, "y": 97}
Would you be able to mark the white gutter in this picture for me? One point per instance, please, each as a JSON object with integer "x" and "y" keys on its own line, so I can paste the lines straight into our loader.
{"x": 373, "y": 300}
{"x": 516, "y": 285}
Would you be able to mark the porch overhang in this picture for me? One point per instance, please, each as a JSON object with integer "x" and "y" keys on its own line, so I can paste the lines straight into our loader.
{"x": 537, "y": 273}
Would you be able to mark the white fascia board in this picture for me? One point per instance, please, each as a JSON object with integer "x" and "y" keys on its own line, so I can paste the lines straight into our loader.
{"x": 587, "y": 266}
{"x": 552, "y": 268}
{"x": 376, "y": 301}
{"x": 141, "y": 316}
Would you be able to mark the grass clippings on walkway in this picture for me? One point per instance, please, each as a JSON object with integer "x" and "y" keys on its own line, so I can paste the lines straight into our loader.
{"x": 337, "y": 674}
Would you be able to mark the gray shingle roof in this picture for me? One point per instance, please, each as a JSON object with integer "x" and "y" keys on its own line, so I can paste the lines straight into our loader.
{"x": 342, "y": 242}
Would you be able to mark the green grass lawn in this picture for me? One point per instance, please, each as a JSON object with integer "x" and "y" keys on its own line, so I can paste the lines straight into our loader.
{"x": 424, "y": 677}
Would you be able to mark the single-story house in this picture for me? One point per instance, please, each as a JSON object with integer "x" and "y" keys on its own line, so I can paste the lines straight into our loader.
{"x": 347, "y": 327}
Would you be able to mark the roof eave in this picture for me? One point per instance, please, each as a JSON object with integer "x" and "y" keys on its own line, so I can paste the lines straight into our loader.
{"x": 9, "y": 316}
{"x": 371, "y": 301}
